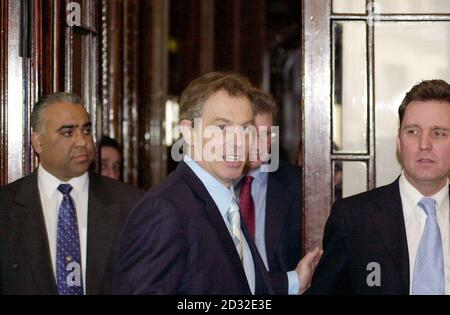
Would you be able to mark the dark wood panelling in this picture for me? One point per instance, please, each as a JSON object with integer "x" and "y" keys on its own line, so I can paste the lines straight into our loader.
{"x": 114, "y": 71}
{"x": 252, "y": 40}
{"x": 3, "y": 91}
{"x": 129, "y": 114}
{"x": 227, "y": 34}
{"x": 153, "y": 55}
{"x": 240, "y": 37}
{"x": 15, "y": 93}
{"x": 192, "y": 33}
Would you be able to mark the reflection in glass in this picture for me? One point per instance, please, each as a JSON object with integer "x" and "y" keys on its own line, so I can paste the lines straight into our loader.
{"x": 349, "y": 87}
{"x": 413, "y": 6}
{"x": 405, "y": 54}
{"x": 350, "y": 178}
{"x": 349, "y": 6}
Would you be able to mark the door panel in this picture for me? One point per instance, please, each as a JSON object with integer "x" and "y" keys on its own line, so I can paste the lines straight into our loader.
{"x": 374, "y": 52}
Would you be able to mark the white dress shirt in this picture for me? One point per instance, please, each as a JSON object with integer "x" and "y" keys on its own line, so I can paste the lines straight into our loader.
{"x": 415, "y": 219}
{"x": 51, "y": 199}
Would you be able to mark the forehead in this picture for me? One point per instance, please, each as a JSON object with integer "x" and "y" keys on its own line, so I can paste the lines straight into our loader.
{"x": 222, "y": 105}
{"x": 108, "y": 152}
{"x": 65, "y": 113}
{"x": 427, "y": 113}
{"x": 264, "y": 119}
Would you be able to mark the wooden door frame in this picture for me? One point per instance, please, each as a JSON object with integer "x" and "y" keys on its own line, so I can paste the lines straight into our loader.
{"x": 316, "y": 125}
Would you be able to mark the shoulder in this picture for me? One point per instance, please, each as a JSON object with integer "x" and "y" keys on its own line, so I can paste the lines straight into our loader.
{"x": 10, "y": 190}
{"x": 173, "y": 189}
{"x": 116, "y": 185}
{"x": 372, "y": 195}
{"x": 167, "y": 204}
{"x": 288, "y": 174}
{"x": 288, "y": 167}
{"x": 118, "y": 191}
{"x": 356, "y": 204}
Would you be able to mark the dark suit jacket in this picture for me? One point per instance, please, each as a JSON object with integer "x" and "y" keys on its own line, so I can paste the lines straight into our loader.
{"x": 361, "y": 229}
{"x": 176, "y": 242}
{"x": 283, "y": 223}
{"x": 283, "y": 218}
{"x": 25, "y": 262}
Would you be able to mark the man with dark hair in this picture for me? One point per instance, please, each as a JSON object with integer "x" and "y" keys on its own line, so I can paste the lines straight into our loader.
{"x": 58, "y": 225}
{"x": 185, "y": 236}
{"x": 395, "y": 239}
{"x": 110, "y": 158}
{"x": 270, "y": 201}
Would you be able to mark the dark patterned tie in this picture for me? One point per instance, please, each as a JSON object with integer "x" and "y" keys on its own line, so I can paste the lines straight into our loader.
{"x": 247, "y": 205}
{"x": 68, "y": 256}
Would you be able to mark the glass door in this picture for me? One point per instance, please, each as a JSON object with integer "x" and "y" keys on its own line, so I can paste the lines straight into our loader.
{"x": 360, "y": 58}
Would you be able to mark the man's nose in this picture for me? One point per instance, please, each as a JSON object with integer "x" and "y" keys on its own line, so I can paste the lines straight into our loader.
{"x": 425, "y": 142}
{"x": 81, "y": 138}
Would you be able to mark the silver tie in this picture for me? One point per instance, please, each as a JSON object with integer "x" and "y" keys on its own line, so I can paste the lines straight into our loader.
{"x": 235, "y": 220}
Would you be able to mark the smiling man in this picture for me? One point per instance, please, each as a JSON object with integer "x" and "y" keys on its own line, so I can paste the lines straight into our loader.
{"x": 395, "y": 239}
{"x": 186, "y": 235}
{"x": 58, "y": 224}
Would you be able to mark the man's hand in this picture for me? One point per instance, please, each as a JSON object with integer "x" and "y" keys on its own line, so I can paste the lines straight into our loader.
{"x": 305, "y": 268}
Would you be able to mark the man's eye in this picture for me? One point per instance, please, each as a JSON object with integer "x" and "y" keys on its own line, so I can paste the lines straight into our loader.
{"x": 440, "y": 133}
{"x": 411, "y": 131}
{"x": 222, "y": 127}
{"x": 87, "y": 131}
{"x": 67, "y": 134}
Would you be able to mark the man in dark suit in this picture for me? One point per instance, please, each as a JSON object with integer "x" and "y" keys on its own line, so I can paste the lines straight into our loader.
{"x": 185, "y": 236}
{"x": 270, "y": 200}
{"x": 59, "y": 224}
{"x": 395, "y": 239}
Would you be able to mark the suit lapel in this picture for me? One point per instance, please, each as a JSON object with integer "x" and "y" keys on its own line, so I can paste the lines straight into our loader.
{"x": 103, "y": 216}
{"x": 28, "y": 218}
{"x": 278, "y": 202}
{"x": 390, "y": 224}
{"x": 262, "y": 286}
{"x": 216, "y": 220}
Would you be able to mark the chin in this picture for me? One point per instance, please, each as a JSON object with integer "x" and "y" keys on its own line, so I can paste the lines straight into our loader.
{"x": 255, "y": 164}
{"x": 79, "y": 171}
{"x": 231, "y": 175}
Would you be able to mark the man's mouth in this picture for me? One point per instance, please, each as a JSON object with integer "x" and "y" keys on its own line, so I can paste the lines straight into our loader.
{"x": 425, "y": 161}
{"x": 80, "y": 158}
{"x": 232, "y": 158}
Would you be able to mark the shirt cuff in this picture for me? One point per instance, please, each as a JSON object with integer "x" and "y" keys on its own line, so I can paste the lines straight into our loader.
{"x": 293, "y": 282}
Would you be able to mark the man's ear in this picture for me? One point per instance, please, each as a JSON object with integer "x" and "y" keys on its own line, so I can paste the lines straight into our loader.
{"x": 398, "y": 142}
{"x": 187, "y": 131}
{"x": 36, "y": 142}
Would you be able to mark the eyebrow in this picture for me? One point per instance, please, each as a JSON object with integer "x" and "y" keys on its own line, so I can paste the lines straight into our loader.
{"x": 63, "y": 127}
{"x": 440, "y": 128}
{"x": 432, "y": 128}
{"x": 220, "y": 119}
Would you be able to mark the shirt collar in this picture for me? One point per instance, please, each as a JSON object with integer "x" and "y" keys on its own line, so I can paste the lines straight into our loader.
{"x": 221, "y": 195}
{"x": 49, "y": 183}
{"x": 411, "y": 196}
{"x": 258, "y": 176}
